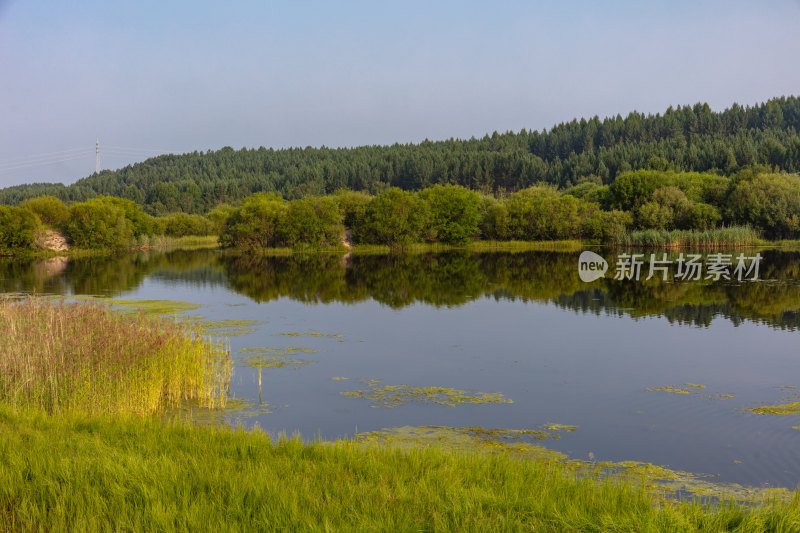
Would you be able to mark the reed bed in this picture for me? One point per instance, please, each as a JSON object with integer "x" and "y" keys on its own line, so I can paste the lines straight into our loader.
{"x": 714, "y": 238}
{"x": 473, "y": 246}
{"x": 86, "y": 358}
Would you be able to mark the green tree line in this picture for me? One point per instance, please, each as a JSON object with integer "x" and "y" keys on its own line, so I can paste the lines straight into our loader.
{"x": 103, "y": 222}
{"x": 682, "y": 139}
{"x": 765, "y": 201}
{"x": 759, "y": 198}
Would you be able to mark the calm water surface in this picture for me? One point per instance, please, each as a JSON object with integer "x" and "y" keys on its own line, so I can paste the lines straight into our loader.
{"x": 523, "y": 325}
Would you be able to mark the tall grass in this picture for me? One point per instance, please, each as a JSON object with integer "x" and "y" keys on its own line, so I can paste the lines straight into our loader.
{"x": 71, "y": 473}
{"x": 188, "y": 242}
{"x": 713, "y": 238}
{"x": 86, "y": 358}
{"x": 473, "y": 246}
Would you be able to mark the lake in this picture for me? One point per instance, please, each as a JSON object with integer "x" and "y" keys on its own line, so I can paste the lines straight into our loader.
{"x": 658, "y": 371}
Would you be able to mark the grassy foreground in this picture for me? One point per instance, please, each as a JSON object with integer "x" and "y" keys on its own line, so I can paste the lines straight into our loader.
{"x": 76, "y": 473}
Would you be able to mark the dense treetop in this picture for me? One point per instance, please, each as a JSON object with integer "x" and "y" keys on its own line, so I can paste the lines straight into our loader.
{"x": 688, "y": 138}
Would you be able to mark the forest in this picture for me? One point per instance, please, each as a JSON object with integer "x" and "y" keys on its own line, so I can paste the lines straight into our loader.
{"x": 682, "y": 139}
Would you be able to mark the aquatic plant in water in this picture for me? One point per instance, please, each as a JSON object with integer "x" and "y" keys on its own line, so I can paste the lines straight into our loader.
{"x": 262, "y": 350}
{"x": 789, "y": 406}
{"x": 154, "y": 307}
{"x": 263, "y": 357}
{"x": 687, "y": 388}
{"x": 310, "y": 333}
{"x": 494, "y": 435}
{"x": 690, "y": 388}
{"x": 236, "y": 409}
{"x": 228, "y": 328}
{"x": 273, "y": 361}
{"x": 88, "y": 358}
{"x": 653, "y": 479}
{"x": 395, "y": 395}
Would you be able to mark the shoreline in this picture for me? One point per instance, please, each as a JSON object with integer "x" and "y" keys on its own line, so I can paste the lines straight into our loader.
{"x": 566, "y": 246}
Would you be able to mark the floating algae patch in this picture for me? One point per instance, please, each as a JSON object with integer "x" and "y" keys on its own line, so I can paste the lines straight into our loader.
{"x": 789, "y": 406}
{"x": 262, "y": 357}
{"x": 669, "y": 388}
{"x": 273, "y": 361}
{"x": 655, "y": 480}
{"x": 151, "y": 307}
{"x": 248, "y": 408}
{"x": 235, "y": 409}
{"x": 156, "y": 307}
{"x": 370, "y": 382}
{"x": 261, "y": 350}
{"x": 718, "y": 396}
{"x": 310, "y": 333}
{"x": 495, "y": 436}
{"x": 453, "y": 439}
{"x": 337, "y": 378}
{"x": 690, "y": 388}
{"x": 694, "y": 386}
{"x": 686, "y": 388}
{"x": 395, "y": 395}
{"x": 228, "y": 328}
{"x": 661, "y": 481}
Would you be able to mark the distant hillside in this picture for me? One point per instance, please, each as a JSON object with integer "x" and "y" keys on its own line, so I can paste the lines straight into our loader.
{"x": 690, "y": 138}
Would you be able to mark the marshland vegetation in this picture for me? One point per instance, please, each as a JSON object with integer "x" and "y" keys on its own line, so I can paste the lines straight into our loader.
{"x": 100, "y": 474}
{"x": 86, "y": 358}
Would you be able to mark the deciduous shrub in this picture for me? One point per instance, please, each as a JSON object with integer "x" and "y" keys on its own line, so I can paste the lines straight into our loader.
{"x": 454, "y": 213}
{"x": 98, "y": 223}
{"x": 182, "y": 225}
{"x": 18, "y": 227}
{"x": 314, "y": 221}
{"x": 51, "y": 210}
{"x": 768, "y": 201}
{"x": 541, "y": 213}
{"x": 257, "y": 224}
{"x": 394, "y": 217}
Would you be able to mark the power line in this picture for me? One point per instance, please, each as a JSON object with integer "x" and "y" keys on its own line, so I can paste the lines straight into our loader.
{"x": 72, "y": 154}
{"x": 44, "y": 162}
{"x": 138, "y": 150}
{"x": 25, "y": 159}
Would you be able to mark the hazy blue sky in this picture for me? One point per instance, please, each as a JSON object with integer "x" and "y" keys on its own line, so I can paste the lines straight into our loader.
{"x": 146, "y": 76}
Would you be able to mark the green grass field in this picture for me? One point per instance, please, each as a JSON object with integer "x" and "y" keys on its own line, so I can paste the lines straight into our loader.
{"x": 74, "y": 473}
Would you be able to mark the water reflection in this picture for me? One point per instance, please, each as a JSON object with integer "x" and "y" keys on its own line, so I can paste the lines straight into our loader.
{"x": 445, "y": 279}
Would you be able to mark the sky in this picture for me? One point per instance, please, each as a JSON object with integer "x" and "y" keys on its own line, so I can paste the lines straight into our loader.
{"x": 151, "y": 77}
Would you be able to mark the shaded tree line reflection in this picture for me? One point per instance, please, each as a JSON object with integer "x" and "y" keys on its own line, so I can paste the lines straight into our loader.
{"x": 441, "y": 280}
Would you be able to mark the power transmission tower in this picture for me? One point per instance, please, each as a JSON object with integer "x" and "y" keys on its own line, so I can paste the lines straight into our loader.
{"x": 97, "y": 156}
